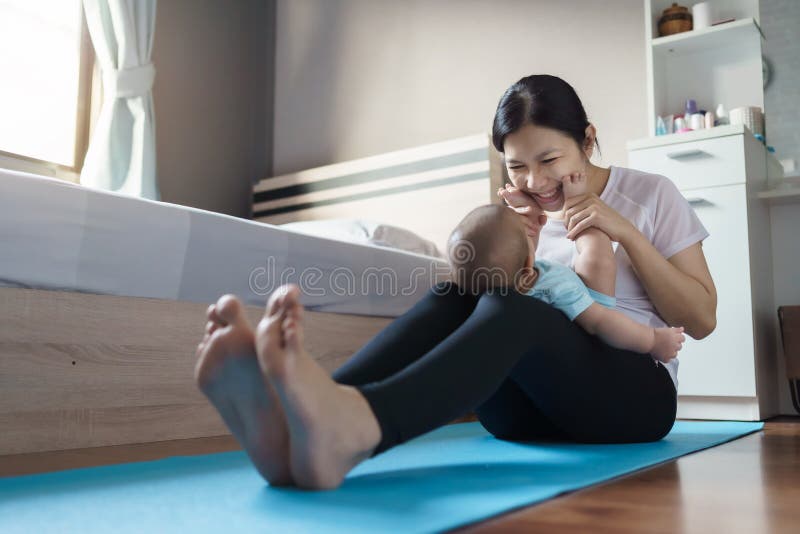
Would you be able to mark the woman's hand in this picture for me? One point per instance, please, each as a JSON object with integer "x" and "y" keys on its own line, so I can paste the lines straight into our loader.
{"x": 525, "y": 206}
{"x": 588, "y": 211}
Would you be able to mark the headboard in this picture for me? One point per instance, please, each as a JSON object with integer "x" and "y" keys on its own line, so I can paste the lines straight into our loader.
{"x": 426, "y": 189}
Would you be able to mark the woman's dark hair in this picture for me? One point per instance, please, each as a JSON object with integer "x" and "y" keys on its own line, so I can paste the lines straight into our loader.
{"x": 542, "y": 100}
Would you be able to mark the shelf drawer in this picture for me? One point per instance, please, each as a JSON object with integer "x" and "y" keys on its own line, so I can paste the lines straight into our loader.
{"x": 696, "y": 164}
{"x": 723, "y": 364}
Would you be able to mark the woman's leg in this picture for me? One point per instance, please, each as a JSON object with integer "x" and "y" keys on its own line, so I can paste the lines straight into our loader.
{"x": 596, "y": 393}
{"x": 333, "y": 427}
{"x": 408, "y": 337}
{"x": 461, "y": 372}
{"x": 510, "y": 414}
{"x": 588, "y": 390}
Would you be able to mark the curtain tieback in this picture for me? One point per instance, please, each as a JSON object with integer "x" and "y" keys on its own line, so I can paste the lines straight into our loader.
{"x": 130, "y": 82}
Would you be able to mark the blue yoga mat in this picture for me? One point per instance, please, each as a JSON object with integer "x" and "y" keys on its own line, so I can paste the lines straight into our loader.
{"x": 453, "y": 476}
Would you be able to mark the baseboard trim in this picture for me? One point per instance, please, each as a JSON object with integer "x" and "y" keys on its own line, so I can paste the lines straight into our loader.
{"x": 719, "y": 408}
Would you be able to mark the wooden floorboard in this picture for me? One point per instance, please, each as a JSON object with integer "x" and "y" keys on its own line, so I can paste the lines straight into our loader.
{"x": 750, "y": 485}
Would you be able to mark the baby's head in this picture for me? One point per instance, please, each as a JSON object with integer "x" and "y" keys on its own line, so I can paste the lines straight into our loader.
{"x": 489, "y": 250}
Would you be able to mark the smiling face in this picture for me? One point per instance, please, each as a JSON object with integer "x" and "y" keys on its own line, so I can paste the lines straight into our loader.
{"x": 537, "y": 159}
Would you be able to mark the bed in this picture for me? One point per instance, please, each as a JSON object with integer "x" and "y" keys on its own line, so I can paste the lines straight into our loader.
{"x": 102, "y": 296}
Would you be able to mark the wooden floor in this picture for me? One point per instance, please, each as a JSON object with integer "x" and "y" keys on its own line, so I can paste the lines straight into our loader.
{"x": 750, "y": 485}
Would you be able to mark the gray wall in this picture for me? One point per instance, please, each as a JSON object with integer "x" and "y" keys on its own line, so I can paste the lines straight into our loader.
{"x": 213, "y": 100}
{"x": 361, "y": 77}
{"x": 779, "y": 21}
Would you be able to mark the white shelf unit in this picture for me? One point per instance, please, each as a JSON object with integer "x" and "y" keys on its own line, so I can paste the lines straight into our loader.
{"x": 784, "y": 189}
{"x": 732, "y": 373}
{"x": 776, "y": 197}
{"x": 696, "y": 135}
{"x": 703, "y": 39}
{"x": 707, "y": 65}
{"x": 723, "y": 172}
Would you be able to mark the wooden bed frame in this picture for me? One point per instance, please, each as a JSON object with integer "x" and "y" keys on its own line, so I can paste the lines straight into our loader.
{"x": 82, "y": 370}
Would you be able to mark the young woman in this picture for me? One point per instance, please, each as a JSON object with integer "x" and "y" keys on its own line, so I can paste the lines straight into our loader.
{"x": 526, "y": 370}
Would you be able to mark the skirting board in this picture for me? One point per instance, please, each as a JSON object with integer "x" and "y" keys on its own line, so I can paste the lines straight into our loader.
{"x": 80, "y": 370}
{"x": 720, "y": 408}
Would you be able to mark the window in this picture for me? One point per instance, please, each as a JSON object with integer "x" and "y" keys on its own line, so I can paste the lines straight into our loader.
{"x": 45, "y": 84}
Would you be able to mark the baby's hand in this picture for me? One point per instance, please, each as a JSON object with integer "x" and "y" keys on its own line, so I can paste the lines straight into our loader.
{"x": 526, "y": 206}
{"x": 574, "y": 184}
{"x": 666, "y": 343}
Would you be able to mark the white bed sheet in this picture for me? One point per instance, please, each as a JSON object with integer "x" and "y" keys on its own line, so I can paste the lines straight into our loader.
{"x": 56, "y": 235}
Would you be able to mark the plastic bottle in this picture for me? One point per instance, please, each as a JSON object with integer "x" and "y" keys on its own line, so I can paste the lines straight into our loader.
{"x": 661, "y": 127}
{"x": 722, "y": 115}
{"x": 709, "y": 119}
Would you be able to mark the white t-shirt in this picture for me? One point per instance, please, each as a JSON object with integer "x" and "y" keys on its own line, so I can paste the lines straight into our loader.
{"x": 655, "y": 206}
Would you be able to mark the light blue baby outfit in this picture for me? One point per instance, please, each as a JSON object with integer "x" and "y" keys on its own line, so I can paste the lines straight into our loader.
{"x": 560, "y": 287}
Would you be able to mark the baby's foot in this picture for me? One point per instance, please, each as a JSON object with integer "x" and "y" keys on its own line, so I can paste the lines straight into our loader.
{"x": 227, "y": 372}
{"x": 574, "y": 185}
{"x": 667, "y": 342}
{"x": 332, "y": 427}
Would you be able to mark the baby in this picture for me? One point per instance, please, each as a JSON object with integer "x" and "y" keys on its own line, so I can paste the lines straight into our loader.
{"x": 490, "y": 251}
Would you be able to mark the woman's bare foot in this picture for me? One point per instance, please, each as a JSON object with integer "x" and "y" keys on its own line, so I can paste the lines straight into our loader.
{"x": 227, "y": 371}
{"x": 332, "y": 427}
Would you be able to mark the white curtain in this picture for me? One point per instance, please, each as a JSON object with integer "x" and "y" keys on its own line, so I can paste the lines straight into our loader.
{"x": 122, "y": 151}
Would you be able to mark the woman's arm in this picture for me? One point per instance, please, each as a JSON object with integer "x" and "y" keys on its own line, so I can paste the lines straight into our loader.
{"x": 680, "y": 287}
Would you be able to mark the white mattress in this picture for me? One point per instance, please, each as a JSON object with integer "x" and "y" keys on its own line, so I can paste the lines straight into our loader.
{"x": 56, "y": 235}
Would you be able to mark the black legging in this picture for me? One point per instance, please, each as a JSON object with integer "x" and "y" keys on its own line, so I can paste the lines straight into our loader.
{"x": 520, "y": 364}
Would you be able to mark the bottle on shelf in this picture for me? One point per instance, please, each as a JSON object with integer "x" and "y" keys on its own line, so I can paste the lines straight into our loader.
{"x": 722, "y": 115}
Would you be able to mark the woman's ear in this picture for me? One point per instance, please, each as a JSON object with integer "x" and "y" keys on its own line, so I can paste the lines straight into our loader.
{"x": 590, "y": 136}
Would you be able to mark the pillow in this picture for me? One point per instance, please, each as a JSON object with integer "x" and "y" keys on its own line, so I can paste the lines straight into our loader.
{"x": 367, "y": 232}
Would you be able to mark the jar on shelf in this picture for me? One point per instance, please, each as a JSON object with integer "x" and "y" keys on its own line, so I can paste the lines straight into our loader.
{"x": 675, "y": 19}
